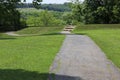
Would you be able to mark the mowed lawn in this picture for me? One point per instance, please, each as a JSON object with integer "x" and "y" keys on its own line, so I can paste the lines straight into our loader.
{"x": 28, "y": 57}
{"x": 40, "y": 30}
{"x": 107, "y": 36}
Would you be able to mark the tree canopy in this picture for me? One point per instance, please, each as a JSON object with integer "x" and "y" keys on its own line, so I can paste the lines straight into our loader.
{"x": 98, "y": 11}
{"x": 9, "y": 16}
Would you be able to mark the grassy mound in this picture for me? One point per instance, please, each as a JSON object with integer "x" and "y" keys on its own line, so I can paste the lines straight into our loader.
{"x": 40, "y": 30}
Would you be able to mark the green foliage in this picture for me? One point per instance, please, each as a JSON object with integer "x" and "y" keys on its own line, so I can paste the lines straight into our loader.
{"x": 106, "y": 36}
{"x": 53, "y": 7}
{"x": 36, "y": 3}
{"x": 67, "y": 17}
{"x": 7, "y": 11}
{"x": 10, "y": 17}
{"x": 56, "y": 7}
{"x": 35, "y": 17}
{"x": 77, "y": 10}
{"x": 46, "y": 18}
{"x": 97, "y": 11}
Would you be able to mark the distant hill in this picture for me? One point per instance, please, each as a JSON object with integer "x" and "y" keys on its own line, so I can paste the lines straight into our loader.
{"x": 53, "y": 7}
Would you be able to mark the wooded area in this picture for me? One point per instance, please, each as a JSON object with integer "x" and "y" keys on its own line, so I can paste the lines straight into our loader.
{"x": 97, "y": 11}
{"x": 53, "y": 7}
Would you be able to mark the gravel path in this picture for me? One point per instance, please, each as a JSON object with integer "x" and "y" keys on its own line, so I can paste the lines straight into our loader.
{"x": 81, "y": 59}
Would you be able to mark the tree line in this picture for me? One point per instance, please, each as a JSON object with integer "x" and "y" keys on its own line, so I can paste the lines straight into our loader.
{"x": 54, "y": 7}
{"x": 41, "y": 18}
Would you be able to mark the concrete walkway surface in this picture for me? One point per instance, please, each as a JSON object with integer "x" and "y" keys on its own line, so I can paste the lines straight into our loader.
{"x": 81, "y": 59}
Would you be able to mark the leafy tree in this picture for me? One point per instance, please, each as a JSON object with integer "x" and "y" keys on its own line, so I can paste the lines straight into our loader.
{"x": 46, "y": 17}
{"x": 98, "y": 11}
{"x": 43, "y": 18}
{"x": 77, "y": 10}
{"x": 9, "y": 16}
{"x": 68, "y": 17}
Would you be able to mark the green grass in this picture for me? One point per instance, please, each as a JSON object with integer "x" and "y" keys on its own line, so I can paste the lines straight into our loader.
{"x": 97, "y": 27}
{"x": 5, "y": 36}
{"x": 40, "y": 30}
{"x": 107, "y": 36}
{"x": 28, "y": 58}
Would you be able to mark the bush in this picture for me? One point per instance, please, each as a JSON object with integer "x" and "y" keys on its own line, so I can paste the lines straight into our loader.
{"x": 43, "y": 18}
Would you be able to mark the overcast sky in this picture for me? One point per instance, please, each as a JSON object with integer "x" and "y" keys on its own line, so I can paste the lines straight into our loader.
{"x": 52, "y": 1}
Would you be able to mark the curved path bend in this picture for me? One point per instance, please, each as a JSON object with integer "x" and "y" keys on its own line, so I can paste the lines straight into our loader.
{"x": 81, "y": 59}
{"x": 12, "y": 33}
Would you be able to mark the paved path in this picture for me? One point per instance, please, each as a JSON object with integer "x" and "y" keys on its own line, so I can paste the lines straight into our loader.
{"x": 81, "y": 59}
{"x": 12, "y": 33}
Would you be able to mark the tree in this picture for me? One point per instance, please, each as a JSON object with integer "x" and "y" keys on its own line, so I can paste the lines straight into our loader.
{"x": 98, "y": 11}
{"x": 68, "y": 17}
{"x": 77, "y": 10}
{"x": 47, "y": 18}
{"x": 9, "y": 16}
{"x": 91, "y": 11}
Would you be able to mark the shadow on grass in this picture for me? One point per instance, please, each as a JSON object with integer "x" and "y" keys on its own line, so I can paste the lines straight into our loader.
{"x": 19, "y": 74}
{"x": 64, "y": 77}
{"x": 63, "y": 34}
{"x": 48, "y": 34}
{"x": 5, "y": 38}
{"x": 81, "y": 33}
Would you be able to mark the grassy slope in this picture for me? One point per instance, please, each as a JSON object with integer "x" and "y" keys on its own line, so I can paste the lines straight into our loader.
{"x": 106, "y": 36}
{"x": 20, "y": 56}
{"x": 40, "y": 30}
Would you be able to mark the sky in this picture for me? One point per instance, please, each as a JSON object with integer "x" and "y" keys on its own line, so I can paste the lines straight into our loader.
{"x": 52, "y": 1}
